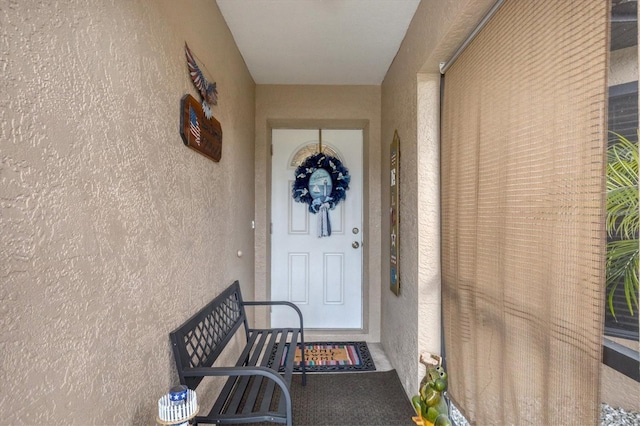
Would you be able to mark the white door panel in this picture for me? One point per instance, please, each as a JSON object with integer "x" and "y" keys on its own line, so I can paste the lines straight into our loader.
{"x": 322, "y": 276}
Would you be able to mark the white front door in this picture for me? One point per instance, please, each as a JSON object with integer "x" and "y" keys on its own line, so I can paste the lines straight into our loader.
{"x": 322, "y": 276}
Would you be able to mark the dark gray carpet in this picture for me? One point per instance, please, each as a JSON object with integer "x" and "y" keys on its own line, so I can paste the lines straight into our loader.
{"x": 350, "y": 399}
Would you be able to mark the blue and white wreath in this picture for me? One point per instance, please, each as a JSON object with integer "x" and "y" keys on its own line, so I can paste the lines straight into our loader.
{"x": 321, "y": 182}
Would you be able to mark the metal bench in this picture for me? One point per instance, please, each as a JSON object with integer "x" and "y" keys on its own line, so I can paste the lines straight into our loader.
{"x": 255, "y": 390}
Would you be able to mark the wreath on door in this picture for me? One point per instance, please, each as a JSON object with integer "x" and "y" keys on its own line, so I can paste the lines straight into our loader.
{"x": 321, "y": 183}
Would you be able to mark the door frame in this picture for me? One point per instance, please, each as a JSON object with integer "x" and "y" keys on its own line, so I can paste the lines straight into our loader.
{"x": 366, "y": 251}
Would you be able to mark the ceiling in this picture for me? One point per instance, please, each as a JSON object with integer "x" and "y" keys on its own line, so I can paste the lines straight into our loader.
{"x": 338, "y": 42}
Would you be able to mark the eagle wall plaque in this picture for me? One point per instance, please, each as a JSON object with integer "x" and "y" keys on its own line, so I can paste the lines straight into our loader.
{"x": 200, "y": 131}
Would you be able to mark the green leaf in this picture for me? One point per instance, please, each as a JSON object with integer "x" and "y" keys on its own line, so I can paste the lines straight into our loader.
{"x": 623, "y": 220}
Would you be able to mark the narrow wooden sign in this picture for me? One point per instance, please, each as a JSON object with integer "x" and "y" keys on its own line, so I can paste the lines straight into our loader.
{"x": 198, "y": 132}
{"x": 395, "y": 214}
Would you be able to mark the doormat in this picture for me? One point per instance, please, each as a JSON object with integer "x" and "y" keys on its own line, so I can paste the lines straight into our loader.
{"x": 327, "y": 357}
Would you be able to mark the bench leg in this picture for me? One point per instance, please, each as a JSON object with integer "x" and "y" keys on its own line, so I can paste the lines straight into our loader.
{"x": 303, "y": 364}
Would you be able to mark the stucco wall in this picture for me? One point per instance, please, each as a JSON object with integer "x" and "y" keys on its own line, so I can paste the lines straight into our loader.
{"x": 623, "y": 66}
{"x": 112, "y": 232}
{"x": 410, "y": 105}
{"x": 291, "y": 106}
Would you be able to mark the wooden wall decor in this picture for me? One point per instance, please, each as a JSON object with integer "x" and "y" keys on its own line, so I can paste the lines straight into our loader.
{"x": 198, "y": 132}
{"x": 395, "y": 214}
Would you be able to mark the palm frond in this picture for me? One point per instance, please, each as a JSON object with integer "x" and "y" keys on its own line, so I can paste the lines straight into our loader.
{"x": 623, "y": 220}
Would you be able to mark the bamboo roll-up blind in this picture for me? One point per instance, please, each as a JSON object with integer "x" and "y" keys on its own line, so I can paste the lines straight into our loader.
{"x": 523, "y": 154}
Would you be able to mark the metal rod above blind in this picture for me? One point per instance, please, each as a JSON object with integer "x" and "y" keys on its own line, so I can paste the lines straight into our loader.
{"x": 444, "y": 66}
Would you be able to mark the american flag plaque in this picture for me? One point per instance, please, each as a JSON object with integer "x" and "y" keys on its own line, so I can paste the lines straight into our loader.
{"x": 199, "y": 133}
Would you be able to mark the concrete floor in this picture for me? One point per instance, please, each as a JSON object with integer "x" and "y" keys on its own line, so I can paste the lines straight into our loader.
{"x": 379, "y": 357}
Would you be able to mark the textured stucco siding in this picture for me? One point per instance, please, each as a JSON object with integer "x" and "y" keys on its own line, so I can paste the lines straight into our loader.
{"x": 112, "y": 232}
{"x": 623, "y": 66}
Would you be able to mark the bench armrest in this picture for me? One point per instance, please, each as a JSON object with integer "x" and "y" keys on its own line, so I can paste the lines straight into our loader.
{"x": 273, "y": 303}
{"x": 248, "y": 371}
{"x": 240, "y": 371}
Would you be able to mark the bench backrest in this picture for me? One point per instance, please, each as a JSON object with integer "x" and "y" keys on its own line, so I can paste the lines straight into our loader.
{"x": 200, "y": 340}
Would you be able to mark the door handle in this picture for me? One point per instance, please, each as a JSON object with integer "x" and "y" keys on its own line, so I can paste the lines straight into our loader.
{"x": 355, "y": 244}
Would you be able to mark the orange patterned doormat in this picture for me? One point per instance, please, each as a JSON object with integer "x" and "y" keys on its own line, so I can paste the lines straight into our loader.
{"x": 325, "y": 357}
